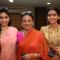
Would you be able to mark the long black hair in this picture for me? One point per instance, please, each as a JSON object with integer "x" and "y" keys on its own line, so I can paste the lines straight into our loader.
{"x": 0, "y": 28}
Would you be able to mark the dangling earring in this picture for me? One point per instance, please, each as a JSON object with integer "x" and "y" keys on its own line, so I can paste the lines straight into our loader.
{"x": 33, "y": 25}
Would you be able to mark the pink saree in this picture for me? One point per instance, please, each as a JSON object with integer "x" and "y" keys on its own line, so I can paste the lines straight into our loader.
{"x": 8, "y": 44}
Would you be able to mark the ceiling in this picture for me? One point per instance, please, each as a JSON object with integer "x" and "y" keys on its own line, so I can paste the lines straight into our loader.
{"x": 30, "y": 3}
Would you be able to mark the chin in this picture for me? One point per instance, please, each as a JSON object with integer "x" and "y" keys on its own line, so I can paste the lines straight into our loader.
{"x": 52, "y": 23}
{"x": 4, "y": 25}
{"x": 27, "y": 28}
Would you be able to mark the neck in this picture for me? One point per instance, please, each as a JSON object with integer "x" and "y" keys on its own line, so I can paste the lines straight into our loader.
{"x": 3, "y": 28}
{"x": 53, "y": 26}
{"x": 26, "y": 31}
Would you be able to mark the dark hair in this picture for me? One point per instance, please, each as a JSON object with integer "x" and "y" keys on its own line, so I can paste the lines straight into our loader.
{"x": 29, "y": 14}
{"x": 54, "y": 8}
{"x": 5, "y": 10}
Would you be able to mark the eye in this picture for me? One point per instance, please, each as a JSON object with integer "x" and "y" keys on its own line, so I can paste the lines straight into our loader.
{"x": 54, "y": 15}
{"x": 1, "y": 17}
{"x": 23, "y": 20}
{"x": 49, "y": 15}
{"x": 29, "y": 20}
{"x": 6, "y": 17}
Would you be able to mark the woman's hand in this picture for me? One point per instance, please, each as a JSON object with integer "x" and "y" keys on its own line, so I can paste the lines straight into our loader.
{"x": 55, "y": 57}
{"x": 31, "y": 56}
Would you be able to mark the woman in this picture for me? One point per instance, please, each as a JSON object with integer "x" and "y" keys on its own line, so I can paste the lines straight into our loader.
{"x": 52, "y": 33}
{"x": 32, "y": 44}
{"x": 8, "y": 36}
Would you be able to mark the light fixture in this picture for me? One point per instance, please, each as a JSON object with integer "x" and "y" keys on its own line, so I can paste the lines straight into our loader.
{"x": 48, "y": 3}
{"x": 10, "y": 0}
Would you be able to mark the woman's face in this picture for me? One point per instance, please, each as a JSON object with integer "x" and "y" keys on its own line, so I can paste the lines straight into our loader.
{"x": 52, "y": 17}
{"x": 4, "y": 19}
{"x": 27, "y": 22}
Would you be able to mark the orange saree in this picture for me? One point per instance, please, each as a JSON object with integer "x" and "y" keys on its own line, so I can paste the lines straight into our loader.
{"x": 33, "y": 42}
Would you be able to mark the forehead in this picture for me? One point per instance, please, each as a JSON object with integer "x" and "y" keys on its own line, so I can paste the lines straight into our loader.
{"x": 52, "y": 12}
{"x": 3, "y": 14}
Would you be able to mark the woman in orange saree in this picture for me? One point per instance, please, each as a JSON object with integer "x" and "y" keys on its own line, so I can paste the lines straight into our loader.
{"x": 33, "y": 45}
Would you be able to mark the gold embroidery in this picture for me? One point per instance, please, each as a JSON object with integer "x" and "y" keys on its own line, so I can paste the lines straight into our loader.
{"x": 53, "y": 38}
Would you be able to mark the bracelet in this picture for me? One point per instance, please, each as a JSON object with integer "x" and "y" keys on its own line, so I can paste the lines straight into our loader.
{"x": 37, "y": 57}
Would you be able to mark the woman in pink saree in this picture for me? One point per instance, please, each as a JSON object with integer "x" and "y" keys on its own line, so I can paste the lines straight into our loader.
{"x": 7, "y": 37}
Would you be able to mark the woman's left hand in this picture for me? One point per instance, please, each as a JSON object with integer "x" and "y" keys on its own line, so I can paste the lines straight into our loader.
{"x": 31, "y": 56}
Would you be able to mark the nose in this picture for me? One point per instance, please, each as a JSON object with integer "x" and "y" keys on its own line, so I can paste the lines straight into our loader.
{"x": 52, "y": 16}
{"x": 4, "y": 19}
{"x": 27, "y": 22}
